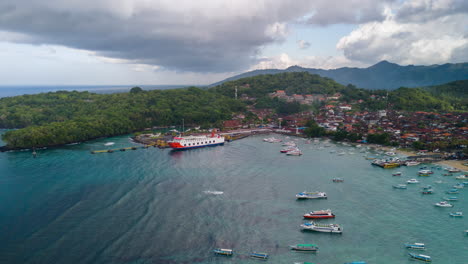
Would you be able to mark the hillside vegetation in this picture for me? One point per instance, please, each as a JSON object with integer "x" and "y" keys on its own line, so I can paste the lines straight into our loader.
{"x": 57, "y": 118}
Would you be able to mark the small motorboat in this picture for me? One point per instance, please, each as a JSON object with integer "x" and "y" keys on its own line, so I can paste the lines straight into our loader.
{"x": 258, "y": 255}
{"x": 451, "y": 198}
{"x": 453, "y": 170}
{"x": 305, "y": 247}
{"x": 420, "y": 257}
{"x": 452, "y": 191}
{"x": 399, "y": 186}
{"x": 427, "y": 191}
{"x": 443, "y": 204}
{"x": 456, "y": 214}
{"x": 287, "y": 149}
{"x": 223, "y": 251}
{"x": 311, "y": 195}
{"x": 320, "y": 214}
{"x": 425, "y": 172}
{"x": 338, "y": 180}
{"x": 326, "y": 228}
{"x": 398, "y": 173}
{"x": 459, "y": 186}
{"x": 295, "y": 152}
{"x": 418, "y": 246}
{"x": 412, "y": 181}
{"x": 412, "y": 163}
{"x": 462, "y": 177}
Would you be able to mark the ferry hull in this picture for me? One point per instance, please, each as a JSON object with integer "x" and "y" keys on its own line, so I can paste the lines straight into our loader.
{"x": 177, "y": 146}
{"x": 319, "y": 216}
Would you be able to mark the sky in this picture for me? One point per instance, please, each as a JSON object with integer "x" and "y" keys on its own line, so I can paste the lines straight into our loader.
{"x": 151, "y": 42}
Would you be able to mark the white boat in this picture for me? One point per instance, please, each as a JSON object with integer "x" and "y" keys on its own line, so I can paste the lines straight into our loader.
{"x": 459, "y": 186}
{"x": 399, "y": 186}
{"x": 272, "y": 140}
{"x": 419, "y": 246}
{"x": 390, "y": 154}
{"x": 456, "y": 214}
{"x": 295, "y": 152}
{"x": 412, "y": 181}
{"x": 326, "y": 228}
{"x": 109, "y": 144}
{"x": 443, "y": 204}
{"x": 412, "y": 163}
{"x": 342, "y": 153}
{"x": 462, "y": 177}
{"x": 311, "y": 195}
{"x": 453, "y": 170}
{"x": 425, "y": 172}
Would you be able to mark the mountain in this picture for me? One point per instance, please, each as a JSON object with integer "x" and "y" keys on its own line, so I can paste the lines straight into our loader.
{"x": 383, "y": 75}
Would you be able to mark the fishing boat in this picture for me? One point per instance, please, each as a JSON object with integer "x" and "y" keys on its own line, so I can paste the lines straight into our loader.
{"x": 456, "y": 214}
{"x": 190, "y": 142}
{"x": 286, "y": 150}
{"x": 311, "y": 195}
{"x": 420, "y": 257}
{"x": 412, "y": 163}
{"x": 427, "y": 191}
{"x": 326, "y": 228}
{"x": 418, "y": 246}
{"x": 258, "y": 255}
{"x": 453, "y": 170}
{"x": 272, "y": 140}
{"x": 452, "y": 198}
{"x": 412, "y": 181}
{"x": 223, "y": 251}
{"x": 462, "y": 177}
{"x": 452, "y": 191}
{"x": 443, "y": 204}
{"x": 305, "y": 247}
{"x": 295, "y": 152}
{"x": 425, "y": 172}
{"x": 320, "y": 214}
{"x": 459, "y": 186}
{"x": 398, "y": 173}
{"x": 338, "y": 180}
{"x": 399, "y": 186}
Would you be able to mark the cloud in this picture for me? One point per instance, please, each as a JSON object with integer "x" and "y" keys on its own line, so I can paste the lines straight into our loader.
{"x": 183, "y": 35}
{"x": 426, "y": 10}
{"x": 284, "y": 61}
{"x": 303, "y": 44}
{"x": 434, "y": 41}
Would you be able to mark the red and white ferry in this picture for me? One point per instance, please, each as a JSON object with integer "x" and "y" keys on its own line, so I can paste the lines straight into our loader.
{"x": 320, "y": 214}
{"x": 189, "y": 142}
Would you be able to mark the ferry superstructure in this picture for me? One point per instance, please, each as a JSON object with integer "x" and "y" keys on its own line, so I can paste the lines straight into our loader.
{"x": 190, "y": 142}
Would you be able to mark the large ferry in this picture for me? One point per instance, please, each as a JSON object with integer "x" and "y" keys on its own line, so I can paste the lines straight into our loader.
{"x": 189, "y": 142}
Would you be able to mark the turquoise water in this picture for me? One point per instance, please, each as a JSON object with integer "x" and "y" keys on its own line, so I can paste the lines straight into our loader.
{"x": 158, "y": 206}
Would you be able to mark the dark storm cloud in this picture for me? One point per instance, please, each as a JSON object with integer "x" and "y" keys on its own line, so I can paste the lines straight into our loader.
{"x": 198, "y": 36}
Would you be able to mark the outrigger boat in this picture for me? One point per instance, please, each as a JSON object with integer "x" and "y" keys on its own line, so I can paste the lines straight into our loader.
{"x": 326, "y": 228}
{"x": 452, "y": 198}
{"x": 419, "y": 246}
{"x": 311, "y": 195}
{"x": 412, "y": 181}
{"x": 462, "y": 177}
{"x": 420, "y": 257}
{"x": 258, "y": 255}
{"x": 425, "y": 172}
{"x": 456, "y": 214}
{"x": 320, "y": 214}
{"x": 398, "y": 173}
{"x": 305, "y": 247}
{"x": 223, "y": 251}
{"x": 399, "y": 186}
{"x": 443, "y": 204}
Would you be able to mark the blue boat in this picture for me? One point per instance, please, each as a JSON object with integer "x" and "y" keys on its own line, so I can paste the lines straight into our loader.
{"x": 424, "y": 258}
{"x": 456, "y": 214}
{"x": 419, "y": 246}
{"x": 451, "y": 198}
{"x": 223, "y": 251}
{"x": 258, "y": 255}
{"x": 452, "y": 191}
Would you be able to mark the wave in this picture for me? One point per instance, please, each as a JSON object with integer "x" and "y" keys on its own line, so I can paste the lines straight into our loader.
{"x": 109, "y": 144}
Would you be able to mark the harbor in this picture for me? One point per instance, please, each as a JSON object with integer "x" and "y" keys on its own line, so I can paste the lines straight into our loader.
{"x": 239, "y": 196}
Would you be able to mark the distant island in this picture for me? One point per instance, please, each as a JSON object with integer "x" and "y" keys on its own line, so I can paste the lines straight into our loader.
{"x": 383, "y": 75}
{"x": 320, "y": 105}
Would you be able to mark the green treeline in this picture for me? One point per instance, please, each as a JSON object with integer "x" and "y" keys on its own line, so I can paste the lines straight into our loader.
{"x": 63, "y": 117}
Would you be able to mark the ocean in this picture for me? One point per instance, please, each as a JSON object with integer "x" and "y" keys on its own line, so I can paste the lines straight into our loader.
{"x": 6, "y": 91}
{"x": 159, "y": 206}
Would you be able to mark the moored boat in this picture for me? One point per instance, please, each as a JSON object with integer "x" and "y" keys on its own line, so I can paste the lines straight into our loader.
{"x": 459, "y": 186}
{"x": 356, "y": 262}
{"x": 443, "y": 204}
{"x": 453, "y": 170}
{"x": 452, "y": 191}
{"x": 420, "y": 257}
{"x": 258, "y": 255}
{"x": 223, "y": 251}
{"x": 338, "y": 180}
{"x": 305, "y": 247}
{"x": 412, "y": 163}
{"x": 190, "y": 142}
{"x": 412, "y": 181}
{"x": 399, "y": 186}
{"x": 452, "y": 198}
{"x": 287, "y": 149}
{"x": 462, "y": 177}
{"x": 456, "y": 214}
{"x": 326, "y": 228}
{"x": 398, "y": 173}
{"x": 311, "y": 195}
{"x": 320, "y": 214}
{"x": 425, "y": 172}
{"x": 419, "y": 246}
{"x": 295, "y": 152}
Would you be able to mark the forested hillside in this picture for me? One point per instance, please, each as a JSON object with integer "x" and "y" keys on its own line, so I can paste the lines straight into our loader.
{"x": 63, "y": 117}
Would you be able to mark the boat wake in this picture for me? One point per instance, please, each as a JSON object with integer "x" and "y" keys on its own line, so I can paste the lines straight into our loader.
{"x": 109, "y": 144}
{"x": 213, "y": 192}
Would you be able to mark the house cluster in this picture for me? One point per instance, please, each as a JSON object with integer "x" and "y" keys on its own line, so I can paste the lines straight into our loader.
{"x": 303, "y": 99}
